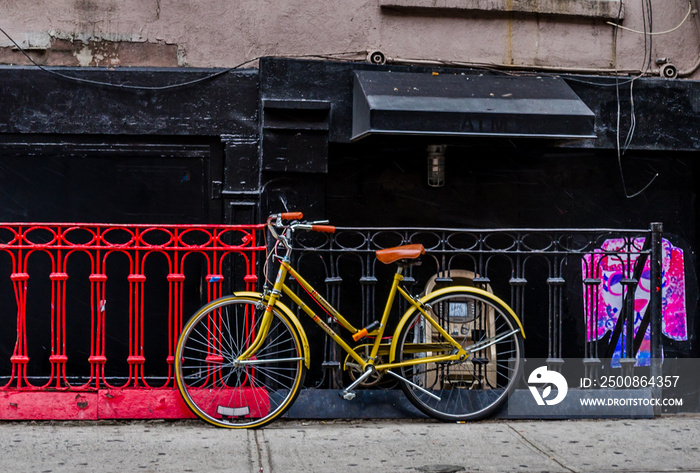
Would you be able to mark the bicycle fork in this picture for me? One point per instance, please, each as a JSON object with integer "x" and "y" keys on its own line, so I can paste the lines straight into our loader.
{"x": 259, "y": 337}
{"x": 267, "y": 318}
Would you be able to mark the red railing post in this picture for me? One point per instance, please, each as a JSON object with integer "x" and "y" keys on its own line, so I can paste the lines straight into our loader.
{"x": 175, "y": 300}
{"x": 19, "y": 358}
{"x": 136, "y": 358}
{"x": 58, "y": 358}
{"x": 97, "y": 358}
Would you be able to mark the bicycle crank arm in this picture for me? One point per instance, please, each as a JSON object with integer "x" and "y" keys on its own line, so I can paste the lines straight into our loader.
{"x": 414, "y": 385}
{"x": 347, "y": 394}
{"x": 485, "y": 344}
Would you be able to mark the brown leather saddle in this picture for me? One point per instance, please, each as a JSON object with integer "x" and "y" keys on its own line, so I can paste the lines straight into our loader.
{"x": 399, "y": 253}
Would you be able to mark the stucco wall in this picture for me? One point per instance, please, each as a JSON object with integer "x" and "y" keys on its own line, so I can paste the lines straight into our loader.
{"x": 566, "y": 34}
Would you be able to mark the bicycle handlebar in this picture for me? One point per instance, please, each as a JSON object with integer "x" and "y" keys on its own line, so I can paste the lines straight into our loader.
{"x": 313, "y": 227}
{"x": 274, "y": 224}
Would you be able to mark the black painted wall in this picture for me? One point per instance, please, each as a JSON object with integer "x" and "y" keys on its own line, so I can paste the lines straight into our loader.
{"x": 496, "y": 183}
{"x": 234, "y": 147}
{"x": 82, "y": 152}
{"x": 504, "y": 187}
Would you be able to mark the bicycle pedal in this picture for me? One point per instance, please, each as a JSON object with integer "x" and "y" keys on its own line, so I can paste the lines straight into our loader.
{"x": 348, "y": 396}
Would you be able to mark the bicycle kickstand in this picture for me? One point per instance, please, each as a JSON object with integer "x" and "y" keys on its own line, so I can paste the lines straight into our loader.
{"x": 347, "y": 393}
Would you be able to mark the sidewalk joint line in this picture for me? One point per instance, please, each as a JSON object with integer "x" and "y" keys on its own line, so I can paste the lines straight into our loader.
{"x": 532, "y": 444}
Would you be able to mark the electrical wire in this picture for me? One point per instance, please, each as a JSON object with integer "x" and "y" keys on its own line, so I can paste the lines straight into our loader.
{"x": 648, "y": 35}
{"x": 687, "y": 15}
{"x": 646, "y": 17}
{"x": 329, "y": 56}
{"x": 497, "y": 68}
{"x": 621, "y": 149}
{"x": 122, "y": 86}
{"x": 616, "y": 82}
{"x": 268, "y": 257}
{"x": 162, "y": 87}
{"x": 633, "y": 121}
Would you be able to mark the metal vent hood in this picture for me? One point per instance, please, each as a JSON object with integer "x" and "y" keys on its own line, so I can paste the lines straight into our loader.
{"x": 404, "y": 103}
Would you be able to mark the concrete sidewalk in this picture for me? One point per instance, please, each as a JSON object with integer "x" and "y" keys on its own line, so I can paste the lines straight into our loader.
{"x": 663, "y": 444}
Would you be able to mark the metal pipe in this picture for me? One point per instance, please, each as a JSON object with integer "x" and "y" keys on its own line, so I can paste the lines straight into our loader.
{"x": 656, "y": 307}
{"x": 583, "y": 70}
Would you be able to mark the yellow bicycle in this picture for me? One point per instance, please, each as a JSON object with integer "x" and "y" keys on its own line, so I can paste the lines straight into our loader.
{"x": 241, "y": 360}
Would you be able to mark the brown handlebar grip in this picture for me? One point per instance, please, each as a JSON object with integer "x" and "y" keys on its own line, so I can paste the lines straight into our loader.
{"x": 323, "y": 228}
{"x": 292, "y": 215}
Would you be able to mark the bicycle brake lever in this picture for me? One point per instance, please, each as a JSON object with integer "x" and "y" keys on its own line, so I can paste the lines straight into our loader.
{"x": 308, "y": 226}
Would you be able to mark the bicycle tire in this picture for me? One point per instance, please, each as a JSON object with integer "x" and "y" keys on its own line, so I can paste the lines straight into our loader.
{"x": 232, "y": 395}
{"x": 476, "y": 387}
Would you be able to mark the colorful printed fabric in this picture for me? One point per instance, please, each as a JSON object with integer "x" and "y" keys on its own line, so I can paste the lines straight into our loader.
{"x": 612, "y": 268}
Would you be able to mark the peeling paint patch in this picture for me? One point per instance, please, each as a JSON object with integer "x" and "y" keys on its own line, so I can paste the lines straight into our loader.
{"x": 99, "y": 54}
{"x": 87, "y": 38}
{"x": 33, "y": 40}
{"x": 181, "y": 57}
{"x": 84, "y": 56}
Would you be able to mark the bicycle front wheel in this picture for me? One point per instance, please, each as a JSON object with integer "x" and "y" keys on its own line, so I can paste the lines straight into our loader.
{"x": 228, "y": 392}
{"x": 469, "y": 389}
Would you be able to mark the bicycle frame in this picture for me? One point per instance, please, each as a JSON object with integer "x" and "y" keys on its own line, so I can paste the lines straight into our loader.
{"x": 279, "y": 288}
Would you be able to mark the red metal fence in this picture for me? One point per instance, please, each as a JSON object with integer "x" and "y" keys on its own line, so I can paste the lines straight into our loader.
{"x": 114, "y": 280}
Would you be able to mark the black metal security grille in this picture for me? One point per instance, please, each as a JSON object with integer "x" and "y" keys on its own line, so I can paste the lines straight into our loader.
{"x": 544, "y": 275}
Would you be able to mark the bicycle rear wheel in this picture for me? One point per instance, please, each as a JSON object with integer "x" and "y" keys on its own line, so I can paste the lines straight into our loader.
{"x": 461, "y": 390}
{"x": 225, "y": 392}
